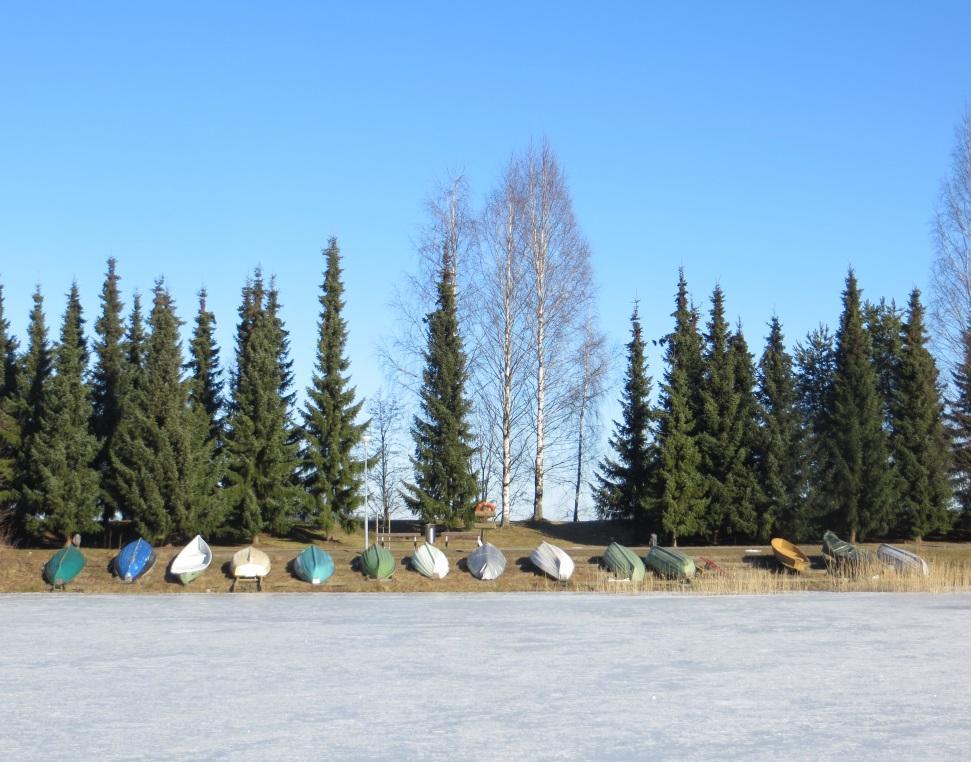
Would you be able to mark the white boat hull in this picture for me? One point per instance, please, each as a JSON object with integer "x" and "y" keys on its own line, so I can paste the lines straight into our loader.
{"x": 249, "y": 563}
{"x": 553, "y": 560}
{"x": 902, "y": 560}
{"x": 194, "y": 558}
{"x": 486, "y": 562}
{"x": 430, "y": 562}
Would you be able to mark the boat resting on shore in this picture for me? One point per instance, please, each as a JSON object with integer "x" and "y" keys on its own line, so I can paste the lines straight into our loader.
{"x": 63, "y": 566}
{"x": 313, "y": 565}
{"x": 486, "y": 561}
{"x": 429, "y": 561}
{"x": 903, "y": 560}
{"x": 670, "y": 563}
{"x": 553, "y": 560}
{"x": 192, "y": 560}
{"x": 377, "y": 562}
{"x": 789, "y": 555}
{"x": 135, "y": 560}
{"x": 623, "y": 563}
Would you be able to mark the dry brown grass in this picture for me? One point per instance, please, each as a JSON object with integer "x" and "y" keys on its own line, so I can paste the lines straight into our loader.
{"x": 744, "y": 573}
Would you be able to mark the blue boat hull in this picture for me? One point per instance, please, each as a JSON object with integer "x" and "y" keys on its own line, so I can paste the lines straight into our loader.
{"x": 134, "y": 560}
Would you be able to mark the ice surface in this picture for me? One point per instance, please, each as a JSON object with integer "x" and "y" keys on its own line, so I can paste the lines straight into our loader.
{"x": 486, "y": 676}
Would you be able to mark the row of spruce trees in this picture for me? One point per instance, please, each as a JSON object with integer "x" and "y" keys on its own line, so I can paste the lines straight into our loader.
{"x": 849, "y": 435}
{"x": 145, "y": 434}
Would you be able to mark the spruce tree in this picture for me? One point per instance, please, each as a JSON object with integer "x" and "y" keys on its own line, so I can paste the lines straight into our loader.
{"x": 261, "y": 447}
{"x": 716, "y": 422}
{"x": 9, "y": 426}
{"x": 884, "y": 324}
{"x": 205, "y": 382}
{"x": 919, "y": 440}
{"x": 32, "y": 377}
{"x": 444, "y": 490}
{"x": 331, "y": 473}
{"x": 859, "y": 478}
{"x": 815, "y": 373}
{"x": 742, "y": 482}
{"x": 959, "y": 429}
{"x": 779, "y": 455}
{"x": 60, "y": 491}
{"x": 627, "y": 481}
{"x": 681, "y": 486}
{"x": 107, "y": 381}
{"x": 168, "y": 476}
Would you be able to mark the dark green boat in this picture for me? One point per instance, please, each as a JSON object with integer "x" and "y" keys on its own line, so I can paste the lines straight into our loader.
{"x": 670, "y": 563}
{"x": 377, "y": 562}
{"x": 842, "y": 554}
{"x": 623, "y": 562}
{"x": 64, "y": 566}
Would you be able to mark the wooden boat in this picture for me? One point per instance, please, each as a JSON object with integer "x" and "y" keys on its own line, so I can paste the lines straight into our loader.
{"x": 377, "y": 562}
{"x": 670, "y": 562}
{"x": 486, "y": 561}
{"x": 840, "y": 553}
{"x": 429, "y": 561}
{"x": 790, "y": 556}
{"x": 553, "y": 560}
{"x": 192, "y": 560}
{"x": 135, "y": 560}
{"x": 313, "y": 565}
{"x": 623, "y": 562}
{"x": 902, "y": 560}
{"x": 63, "y": 566}
{"x": 249, "y": 563}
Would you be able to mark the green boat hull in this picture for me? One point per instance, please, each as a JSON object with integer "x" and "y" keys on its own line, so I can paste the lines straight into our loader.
{"x": 670, "y": 563}
{"x": 64, "y": 566}
{"x": 377, "y": 562}
{"x": 623, "y": 562}
{"x": 843, "y": 554}
{"x": 186, "y": 578}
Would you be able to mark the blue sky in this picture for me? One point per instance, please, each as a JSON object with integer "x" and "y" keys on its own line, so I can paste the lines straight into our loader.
{"x": 764, "y": 146}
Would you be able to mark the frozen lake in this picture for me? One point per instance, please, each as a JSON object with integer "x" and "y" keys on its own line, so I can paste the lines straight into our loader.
{"x": 489, "y": 676}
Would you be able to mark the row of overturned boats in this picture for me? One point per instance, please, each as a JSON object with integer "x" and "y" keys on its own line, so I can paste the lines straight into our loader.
{"x": 843, "y": 557}
{"x": 486, "y": 562}
{"x": 313, "y": 564}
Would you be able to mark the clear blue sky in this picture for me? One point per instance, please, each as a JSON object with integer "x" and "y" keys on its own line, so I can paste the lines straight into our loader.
{"x": 763, "y": 146}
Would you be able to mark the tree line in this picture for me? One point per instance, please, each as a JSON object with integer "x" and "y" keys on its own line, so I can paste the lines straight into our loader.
{"x": 147, "y": 435}
{"x": 850, "y": 433}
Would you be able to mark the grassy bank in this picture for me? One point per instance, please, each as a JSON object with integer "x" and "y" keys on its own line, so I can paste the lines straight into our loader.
{"x": 744, "y": 570}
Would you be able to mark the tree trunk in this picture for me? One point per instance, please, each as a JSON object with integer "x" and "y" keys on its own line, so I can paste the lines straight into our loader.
{"x": 576, "y": 493}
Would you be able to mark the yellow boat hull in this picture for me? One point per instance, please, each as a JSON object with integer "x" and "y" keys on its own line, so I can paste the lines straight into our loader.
{"x": 789, "y": 555}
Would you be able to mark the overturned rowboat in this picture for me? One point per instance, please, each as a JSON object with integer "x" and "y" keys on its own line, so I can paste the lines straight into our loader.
{"x": 192, "y": 560}
{"x": 135, "y": 560}
{"x": 903, "y": 560}
{"x": 377, "y": 562}
{"x": 249, "y": 564}
{"x": 553, "y": 561}
{"x": 430, "y": 562}
{"x": 842, "y": 556}
{"x": 486, "y": 561}
{"x": 313, "y": 565}
{"x": 63, "y": 566}
{"x": 670, "y": 563}
{"x": 623, "y": 562}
